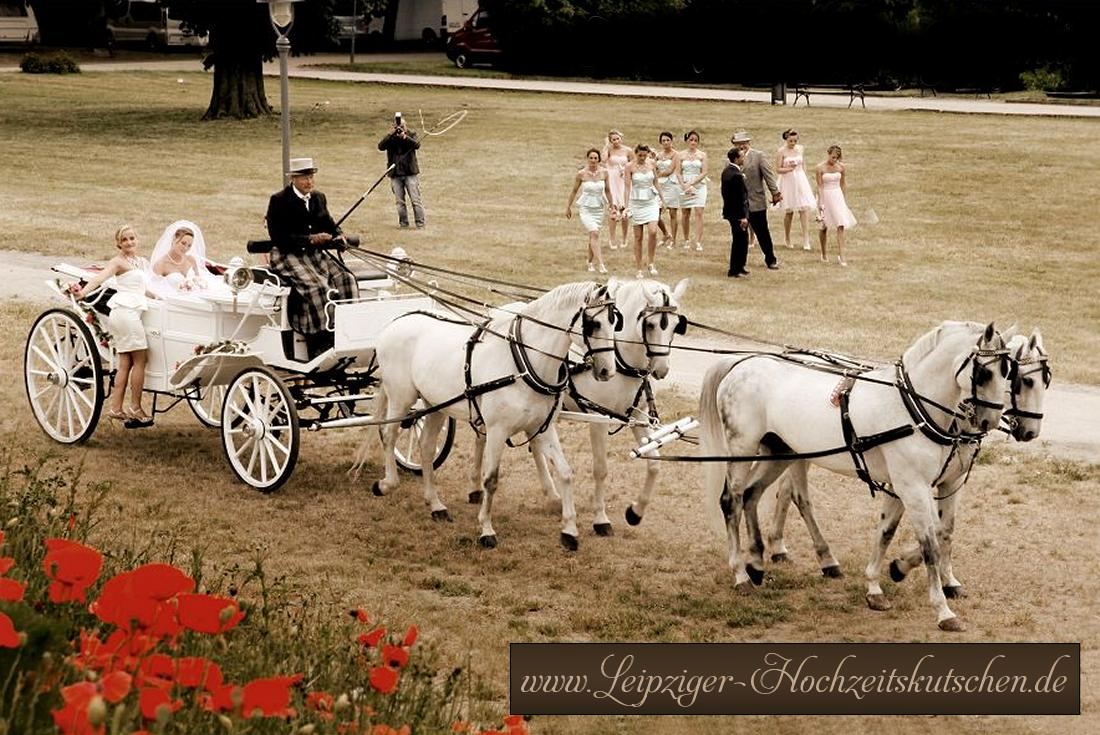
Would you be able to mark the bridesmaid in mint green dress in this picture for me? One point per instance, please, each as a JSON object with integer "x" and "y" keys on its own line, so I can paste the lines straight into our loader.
{"x": 591, "y": 182}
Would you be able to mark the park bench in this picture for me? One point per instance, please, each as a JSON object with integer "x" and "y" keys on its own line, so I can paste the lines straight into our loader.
{"x": 852, "y": 90}
{"x": 1084, "y": 95}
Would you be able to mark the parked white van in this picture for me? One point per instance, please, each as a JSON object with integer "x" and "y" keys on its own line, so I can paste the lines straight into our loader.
{"x": 17, "y": 23}
{"x": 146, "y": 22}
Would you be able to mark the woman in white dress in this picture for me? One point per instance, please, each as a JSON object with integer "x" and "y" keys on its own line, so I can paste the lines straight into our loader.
{"x": 667, "y": 158}
{"x": 644, "y": 204}
{"x": 691, "y": 172}
{"x": 616, "y": 156}
{"x": 595, "y": 193}
{"x": 798, "y": 195}
{"x": 832, "y": 209}
{"x": 124, "y": 324}
{"x": 179, "y": 259}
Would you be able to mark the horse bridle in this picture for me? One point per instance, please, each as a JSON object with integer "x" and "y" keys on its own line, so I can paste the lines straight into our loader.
{"x": 651, "y": 350}
{"x": 589, "y": 323}
{"x": 1016, "y": 377}
{"x": 980, "y": 359}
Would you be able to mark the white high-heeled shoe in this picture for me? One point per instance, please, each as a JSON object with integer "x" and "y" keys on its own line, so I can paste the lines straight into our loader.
{"x": 652, "y": 269}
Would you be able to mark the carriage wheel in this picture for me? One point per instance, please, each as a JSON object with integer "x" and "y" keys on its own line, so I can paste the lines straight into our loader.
{"x": 260, "y": 429}
{"x": 64, "y": 376}
{"x": 208, "y": 406}
{"x": 407, "y": 449}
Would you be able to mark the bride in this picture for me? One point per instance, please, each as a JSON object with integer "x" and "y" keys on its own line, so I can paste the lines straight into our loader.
{"x": 178, "y": 262}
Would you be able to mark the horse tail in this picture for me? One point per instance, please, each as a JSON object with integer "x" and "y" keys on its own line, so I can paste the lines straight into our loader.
{"x": 362, "y": 454}
{"x": 712, "y": 440}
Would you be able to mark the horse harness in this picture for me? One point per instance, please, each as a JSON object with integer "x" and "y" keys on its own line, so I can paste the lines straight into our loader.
{"x": 1016, "y": 379}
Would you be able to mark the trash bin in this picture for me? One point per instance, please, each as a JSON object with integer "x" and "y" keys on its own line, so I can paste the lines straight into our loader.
{"x": 779, "y": 93}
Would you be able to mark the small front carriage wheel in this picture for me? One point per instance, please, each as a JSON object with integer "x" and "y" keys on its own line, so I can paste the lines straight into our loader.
{"x": 63, "y": 376}
{"x": 207, "y": 406}
{"x": 407, "y": 448}
{"x": 259, "y": 427}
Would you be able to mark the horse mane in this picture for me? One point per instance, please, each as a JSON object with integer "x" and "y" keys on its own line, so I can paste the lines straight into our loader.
{"x": 931, "y": 339}
{"x": 567, "y": 295}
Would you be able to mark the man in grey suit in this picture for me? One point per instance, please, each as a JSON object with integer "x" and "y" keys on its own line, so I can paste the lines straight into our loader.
{"x": 758, "y": 175}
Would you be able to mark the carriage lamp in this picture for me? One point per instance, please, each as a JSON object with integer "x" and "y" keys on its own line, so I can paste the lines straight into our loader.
{"x": 282, "y": 18}
{"x": 238, "y": 276}
{"x": 403, "y": 267}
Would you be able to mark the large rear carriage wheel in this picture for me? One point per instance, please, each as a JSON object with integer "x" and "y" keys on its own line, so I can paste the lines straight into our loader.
{"x": 63, "y": 376}
{"x": 259, "y": 427}
{"x": 407, "y": 449}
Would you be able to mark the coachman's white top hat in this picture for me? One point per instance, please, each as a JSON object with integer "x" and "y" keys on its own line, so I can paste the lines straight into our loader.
{"x": 302, "y": 166}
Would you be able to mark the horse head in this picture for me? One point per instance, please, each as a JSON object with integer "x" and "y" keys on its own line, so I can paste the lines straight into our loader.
{"x": 982, "y": 376}
{"x": 653, "y": 320}
{"x": 600, "y": 319}
{"x": 1029, "y": 377}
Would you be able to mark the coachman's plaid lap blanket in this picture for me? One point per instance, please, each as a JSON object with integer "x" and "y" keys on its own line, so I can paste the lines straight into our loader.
{"x": 312, "y": 274}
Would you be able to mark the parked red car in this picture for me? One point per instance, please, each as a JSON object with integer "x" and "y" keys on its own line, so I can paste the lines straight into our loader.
{"x": 473, "y": 43}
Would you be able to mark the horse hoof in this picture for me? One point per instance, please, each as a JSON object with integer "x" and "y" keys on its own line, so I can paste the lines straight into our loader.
{"x": 832, "y": 572}
{"x": 631, "y": 517}
{"x": 474, "y": 497}
{"x": 442, "y": 515}
{"x": 955, "y": 592}
{"x": 569, "y": 542}
{"x": 952, "y": 625}
{"x": 603, "y": 529}
{"x": 487, "y": 542}
{"x": 895, "y": 571}
{"x": 743, "y": 588}
{"x": 878, "y": 602}
{"x": 780, "y": 558}
{"x": 756, "y": 575}
{"x": 376, "y": 488}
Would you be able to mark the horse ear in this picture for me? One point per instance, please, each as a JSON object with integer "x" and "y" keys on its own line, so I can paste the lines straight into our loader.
{"x": 613, "y": 284}
{"x": 1011, "y": 332}
{"x": 989, "y": 332}
{"x": 1036, "y": 341}
{"x": 680, "y": 289}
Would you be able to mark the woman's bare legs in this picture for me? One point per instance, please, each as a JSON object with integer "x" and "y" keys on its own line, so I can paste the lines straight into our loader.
{"x": 137, "y": 378}
{"x": 697, "y": 215}
{"x": 685, "y": 221}
{"x": 788, "y": 220}
{"x": 651, "y": 228}
{"x": 122, "y": 376}
{"x": 638, "y": 231}
{"x": 840, "y": 245}
{"x": 804, "y": 219}
{"x": 822, "y": 236}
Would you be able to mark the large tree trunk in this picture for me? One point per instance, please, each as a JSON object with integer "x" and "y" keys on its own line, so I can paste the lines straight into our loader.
{"x": 238, "y": 88}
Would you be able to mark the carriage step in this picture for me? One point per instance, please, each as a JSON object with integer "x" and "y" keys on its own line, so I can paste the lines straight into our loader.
{"x": 344, "y": 423}
{"x": 325, "y": 400}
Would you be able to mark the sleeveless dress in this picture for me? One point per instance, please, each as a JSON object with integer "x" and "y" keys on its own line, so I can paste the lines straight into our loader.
{"x": 591, "y": 205}
{"x": 690, "y": 168}
{"x": 645, "y": 206}
{"x": 670, "y": 188}
{"x": 835, "y": 210}
{"x": 124, "y": 322}
{"x": 798, "y": 195}
{"x": 616, "y": 177}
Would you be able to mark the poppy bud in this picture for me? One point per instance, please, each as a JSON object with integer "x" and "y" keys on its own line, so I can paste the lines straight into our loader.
{"x": 12, "y": 523}
{"x": 342, "y": 703}
{"x": 226, "y": 722}
{"x": 307, "y": 729}
{"x": 97, "y": 711}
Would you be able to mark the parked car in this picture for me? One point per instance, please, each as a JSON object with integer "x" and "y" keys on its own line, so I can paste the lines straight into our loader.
{"x": 473, "y": 43}
{"x": 17, "y": 23}
{"x": 147, "y": 22}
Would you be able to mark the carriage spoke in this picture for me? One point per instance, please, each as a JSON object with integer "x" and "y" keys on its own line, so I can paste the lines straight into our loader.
{"x": 252, "y": 457}
{"x": 271, "y": 457}
{"x": 73, "y": 394}
{"x": 263, "y": 460}
{"x": 68, "y": 411}
{"x": 282, "y": 447}
{"x": 82, "y": 381}
{"x": 45, "y": 358}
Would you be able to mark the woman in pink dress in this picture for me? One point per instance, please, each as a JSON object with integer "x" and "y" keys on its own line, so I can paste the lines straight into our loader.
{"x": 798, "y": 195}
{"x": 832, "y": 209}
{"x": 616, "y": 156}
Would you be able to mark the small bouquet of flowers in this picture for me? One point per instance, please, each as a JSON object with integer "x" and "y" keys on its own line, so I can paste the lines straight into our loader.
{"x": 819, "y": 218}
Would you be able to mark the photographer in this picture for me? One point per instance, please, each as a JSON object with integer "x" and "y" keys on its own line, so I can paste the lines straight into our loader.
{"x": 400, "y": 146}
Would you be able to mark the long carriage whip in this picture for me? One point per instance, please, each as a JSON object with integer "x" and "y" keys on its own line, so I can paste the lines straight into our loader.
{"x": 366, "y": 194}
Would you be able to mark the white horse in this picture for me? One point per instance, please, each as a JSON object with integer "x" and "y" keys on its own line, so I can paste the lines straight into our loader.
{"x": 766, "y": 405}
{"x": 652, "y": 320}
{"x": 1028, "y": 377}
{"x": 521, "y": 357}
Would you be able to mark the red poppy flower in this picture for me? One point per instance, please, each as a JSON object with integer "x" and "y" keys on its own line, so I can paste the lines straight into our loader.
{"x": 72, "y": 568}
{"x": 410, "y": 636}
{"x": 6, "y": 563}
{"x": 360, "y": 615}
{"x": 516, "y": 725}
{"x": 383, "y": 679}
{"x": 115, "y": 686}
{"x": 196, "y": 672}
{"x": 10, "y": 590}
{"x": 157, "y": 670}
{"x": 370, "y": 640}
{"x": 72, "y": 719}
{"x": 223, "y": 698}
{"x": 138, "y": 596}
{"x": 208, "y": 613}
{"x": 9, "y": 636}
{"x": 269, "y": 697}
{"x": 152, "y": 699}
{"x": 395, "y": 656}
{"x": 322, "y": 703}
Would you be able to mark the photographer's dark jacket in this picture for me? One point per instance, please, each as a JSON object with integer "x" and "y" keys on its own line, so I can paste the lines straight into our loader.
{"x": 401, "y": 152}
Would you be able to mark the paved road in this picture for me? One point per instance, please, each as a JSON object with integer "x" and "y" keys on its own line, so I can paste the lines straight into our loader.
{"x": 1071, "y": 428}
{"x": 305, "y": 67}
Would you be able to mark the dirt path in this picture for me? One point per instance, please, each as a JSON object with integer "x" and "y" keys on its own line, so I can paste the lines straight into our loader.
{"x": 1071, "y": 429}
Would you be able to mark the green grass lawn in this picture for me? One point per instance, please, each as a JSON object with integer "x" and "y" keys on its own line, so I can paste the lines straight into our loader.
{"x": 982, "y": 217}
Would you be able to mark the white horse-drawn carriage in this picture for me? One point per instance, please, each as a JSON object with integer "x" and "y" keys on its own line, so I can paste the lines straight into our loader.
{"x": 230, "y": 354}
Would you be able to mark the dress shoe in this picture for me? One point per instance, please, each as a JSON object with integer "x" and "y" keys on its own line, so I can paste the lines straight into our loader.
{"x": 773, "y": 266}
{"x": 744, "y": 272}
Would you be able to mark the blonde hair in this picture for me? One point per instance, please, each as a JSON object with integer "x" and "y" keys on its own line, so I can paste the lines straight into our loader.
{"x": 120, "y": 230}
{"x": 613, "y": 131}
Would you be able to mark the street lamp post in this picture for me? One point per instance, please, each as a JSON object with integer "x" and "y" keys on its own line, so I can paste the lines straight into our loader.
{"x": 282, "y": 18}
{"x": 354, "y": 27}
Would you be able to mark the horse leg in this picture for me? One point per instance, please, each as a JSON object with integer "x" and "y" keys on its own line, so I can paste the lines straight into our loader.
{"x": 763, "y": 474}
{"x": 597, "y": 434}
{"x": 548, "y": 444}
{"x": 475, "y": 495}
{"x": 783, "y": 498}
{"x": 637, "y": 509}
{"x": 912, "y": 558}
{"x": 493, "y": 444}
{"x": 889, "y": 518}
{"x": 800, "y": 487}
{"x": 918, "y": 502}
{"x": 429, "y": 431}
{"x": 547, "y": 482}
{"x": 731, "y": 504}
{"x": 397, "y": 406}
